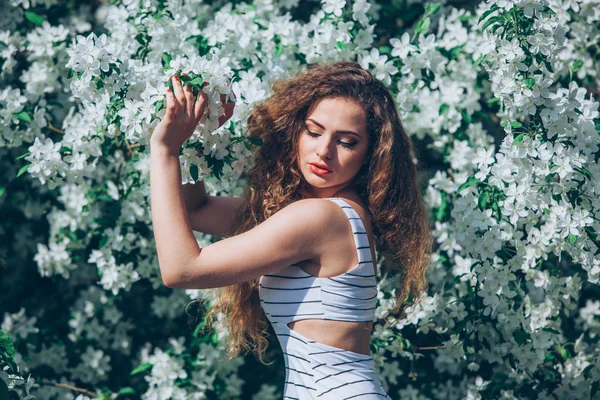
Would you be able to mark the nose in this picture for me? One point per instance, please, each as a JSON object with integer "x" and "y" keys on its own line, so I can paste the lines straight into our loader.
{"x": 324, "y": 147}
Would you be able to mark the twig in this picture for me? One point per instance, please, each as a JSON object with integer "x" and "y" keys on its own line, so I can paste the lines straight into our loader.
{"x": 493, "y": 117}
{"x": 52, "y": 128}
{"x": 129, "y": 147}
{"x": 66, "y": 386}
{"x": 430, "y": 348}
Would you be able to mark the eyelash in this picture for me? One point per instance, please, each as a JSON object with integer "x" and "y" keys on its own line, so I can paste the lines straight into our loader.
{"x": 345, "y": 144}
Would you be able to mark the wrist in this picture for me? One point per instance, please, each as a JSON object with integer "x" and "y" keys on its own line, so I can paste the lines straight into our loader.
{"x": 158, "y": 147}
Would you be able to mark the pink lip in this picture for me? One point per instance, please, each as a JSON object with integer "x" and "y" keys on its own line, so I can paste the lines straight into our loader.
{"x": 317, "y": 170}
{"x": 322, "y": 166}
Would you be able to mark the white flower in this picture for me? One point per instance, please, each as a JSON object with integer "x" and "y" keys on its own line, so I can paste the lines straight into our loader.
{"x": 402, "y": 46}
{"x": 334, "y": 6}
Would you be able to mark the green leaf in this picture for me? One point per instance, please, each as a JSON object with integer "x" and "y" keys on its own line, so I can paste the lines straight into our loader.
{"x": 103, "y": 241}
{"x": 488, "y": 12}
{"x": 587, "y": 370}
{"x": 521, "y": 336}
{"x": 491, "y": 21}
{"x": 466, "y": 116}
{"x": 141, "y": 368}
{"x": 422, "y": 26}
{"x": 23, "y": 156}
{"x": 585, "y": 172}
{"x": 432, "y": 8}
{"x": 519, "y": 138}
{"x": 443, "y": 108}
{"x": 572, "y": 238}
{"x": 126, "y": 390}
{"x": 23, "y": 116}
{"x": 385, "y": 49}
{"x": 564, "y": 353}
{"x": 70, "y": 73}
{"x": 516, "y": 124}
{"x": 2, "y": 190}
{"x": 166, "y": 60}
{"x": 4, "y": 393}
{"x": 551, "y": 330}
{"x": 159, "y": 105}
{"x": 197, "y": 81}
{"x": 471, "y": 180}
{"x": 194, "y": 172}
{"x": 256, "y": 141}
{"x": 482, "y": 200}
{"x": 6, "y": 344}
{"x": 23, "y": 170}
{"x": 577, "y": 65}
{"x": 529, "y": 82}
{"x": 279, "y": 48}
{"x": 479, "y": 60}
{"x": 34, "y": 18}
{"x": 440, "y": 212}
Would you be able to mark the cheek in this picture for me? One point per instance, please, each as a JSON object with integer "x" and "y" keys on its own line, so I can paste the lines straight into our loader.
{"x": 304, "y": 147}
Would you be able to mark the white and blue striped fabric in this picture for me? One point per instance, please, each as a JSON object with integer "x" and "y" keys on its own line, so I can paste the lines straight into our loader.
{"x": 315, "y": 370}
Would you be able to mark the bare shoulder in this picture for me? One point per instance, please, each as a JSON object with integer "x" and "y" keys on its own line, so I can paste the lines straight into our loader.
{"x": 314, "y": 211}
{"x": 319, "y": 219}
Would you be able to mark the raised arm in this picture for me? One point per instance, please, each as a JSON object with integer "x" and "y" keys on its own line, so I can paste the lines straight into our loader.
{"x": 214, "y": 215}
{"x": 175, "y": 242}
{"x": 298, "y": 232}
{"x": 194, "y": 195}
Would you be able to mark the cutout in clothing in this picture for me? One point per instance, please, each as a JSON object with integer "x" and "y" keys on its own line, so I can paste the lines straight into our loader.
{"x": 315, "y": 370}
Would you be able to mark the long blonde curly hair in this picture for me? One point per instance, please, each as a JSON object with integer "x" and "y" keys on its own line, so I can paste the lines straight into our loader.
{"x": 388, "y": 184}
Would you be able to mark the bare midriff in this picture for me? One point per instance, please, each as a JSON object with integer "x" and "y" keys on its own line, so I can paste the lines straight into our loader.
{"x": 346, "y": 335}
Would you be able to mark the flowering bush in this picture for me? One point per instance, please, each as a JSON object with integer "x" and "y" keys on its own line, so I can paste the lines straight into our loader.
{"x": 494, "y": 94}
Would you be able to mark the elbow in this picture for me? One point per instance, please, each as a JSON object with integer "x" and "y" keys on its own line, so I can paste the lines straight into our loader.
{"x": 174, "y": 281}
{"x": 168, "y": 283}
{"x": 169, "y": 279}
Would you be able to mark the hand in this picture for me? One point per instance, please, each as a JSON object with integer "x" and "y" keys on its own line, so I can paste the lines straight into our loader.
{"x": 183, "y": 115}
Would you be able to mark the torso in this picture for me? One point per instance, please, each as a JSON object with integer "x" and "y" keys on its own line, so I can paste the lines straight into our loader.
{"x": 352, "y": 336}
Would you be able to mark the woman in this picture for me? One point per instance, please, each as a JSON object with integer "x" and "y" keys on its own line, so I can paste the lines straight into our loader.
{"x": 333, "y": 176}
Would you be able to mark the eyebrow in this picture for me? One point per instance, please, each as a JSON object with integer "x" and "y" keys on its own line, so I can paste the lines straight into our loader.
{"x": 322, "y": 127}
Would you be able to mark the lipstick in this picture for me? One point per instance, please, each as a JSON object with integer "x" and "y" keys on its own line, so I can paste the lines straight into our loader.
{"x": 317, "y": 170}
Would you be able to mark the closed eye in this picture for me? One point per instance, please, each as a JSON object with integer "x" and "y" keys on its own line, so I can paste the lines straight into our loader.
{"x": 345, "y": 144}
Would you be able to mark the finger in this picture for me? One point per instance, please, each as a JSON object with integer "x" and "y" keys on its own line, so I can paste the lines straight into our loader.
{"x": 200, "y": 105}
{"x": 189, "y": 99}
{"x": 229, "y": 109}
{"x": 170, "y": 104}
{"x": 178, "y": 90}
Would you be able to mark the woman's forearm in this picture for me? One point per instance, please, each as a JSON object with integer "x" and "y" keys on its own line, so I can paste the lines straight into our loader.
{"x": 194, "y": 195}
{"x": 175, "y": 243}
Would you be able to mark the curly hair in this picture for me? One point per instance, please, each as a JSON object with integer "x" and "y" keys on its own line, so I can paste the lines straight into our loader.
{"x": 388, "y": 184}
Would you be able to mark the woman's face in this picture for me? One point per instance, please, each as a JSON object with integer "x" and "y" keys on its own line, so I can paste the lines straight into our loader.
{"x": 336, "y": 136}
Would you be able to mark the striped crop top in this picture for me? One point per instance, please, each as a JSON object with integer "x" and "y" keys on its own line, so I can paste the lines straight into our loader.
{"x": 291, "y": 294}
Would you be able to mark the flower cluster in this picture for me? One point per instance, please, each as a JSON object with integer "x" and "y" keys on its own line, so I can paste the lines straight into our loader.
{"x": 496, "y": 98}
